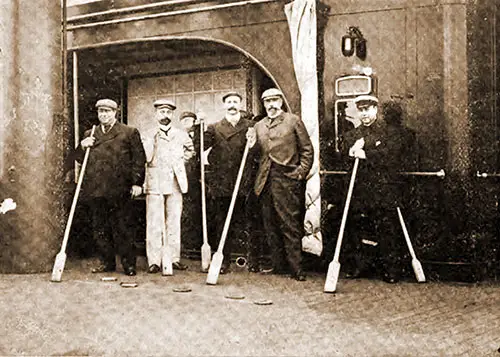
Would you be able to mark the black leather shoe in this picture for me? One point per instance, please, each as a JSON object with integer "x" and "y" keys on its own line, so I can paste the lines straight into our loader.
{"x": 225, "y": 269}
{"x": 103, "y": 269}
{"x": 153, "y": 269}
{"x": 299, "y": 276}
{"x": 356, "y": 274}
{"x": 254, "y": 269}
{"x": 179, "y": 266}
{"x": 390, "y": 278}
{"x": 130, "y": 271}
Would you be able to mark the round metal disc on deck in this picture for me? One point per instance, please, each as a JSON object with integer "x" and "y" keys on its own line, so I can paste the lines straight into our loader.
{"x": 263, "y": 302}
{"x": 128, "y": 285}
{"x": 181, "y": 289}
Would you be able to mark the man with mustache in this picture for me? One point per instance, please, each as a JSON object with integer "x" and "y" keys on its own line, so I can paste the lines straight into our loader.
{"x": 227, "y": 138}
{"x": 166, "y": 182}
{"x": 114, "y": 175}
{"x": 286, "y": 156}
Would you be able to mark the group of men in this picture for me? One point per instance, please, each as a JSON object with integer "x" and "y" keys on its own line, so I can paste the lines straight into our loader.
{"x": 122, "y": 166}
{"x": 166, "y": 165}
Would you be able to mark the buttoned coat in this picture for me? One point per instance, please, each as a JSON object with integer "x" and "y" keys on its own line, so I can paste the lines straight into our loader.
{"x": 284, "y": 141}
{"x": 228, "y": 143}
{"x": 169, "y": 154}
{"x": 390, "y": 149}
{"x": 116, "y": 162}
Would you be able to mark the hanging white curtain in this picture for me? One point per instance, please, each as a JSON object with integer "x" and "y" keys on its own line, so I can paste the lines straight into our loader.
{"x": 301, "y": 16}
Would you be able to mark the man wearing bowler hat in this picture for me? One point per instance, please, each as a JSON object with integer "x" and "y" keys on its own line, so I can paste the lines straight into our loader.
{"x": 166, "y": 182}
{"x": 227, "y": 138}
{"x": 385, "y": 148}
{"x": 114, "y": 175}
{"x": 286, "y": 156}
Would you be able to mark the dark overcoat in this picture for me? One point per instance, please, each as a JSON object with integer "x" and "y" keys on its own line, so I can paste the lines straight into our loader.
{"x": 390, "y": 150}
{"x": 116, "y": 162}
{"x": 228, "y": 144}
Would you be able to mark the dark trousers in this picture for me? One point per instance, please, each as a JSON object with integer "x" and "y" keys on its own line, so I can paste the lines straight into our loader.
{"x": 257, "y": 247}
{"x": 283, "y": 209}
{"x": 113, "y": 227}
{"x": 218, "y": 208}
{"x": 374, "y": 225}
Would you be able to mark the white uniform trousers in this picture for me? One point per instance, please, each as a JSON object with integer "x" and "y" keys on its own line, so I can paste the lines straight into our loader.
{"x": 163, "y": 210}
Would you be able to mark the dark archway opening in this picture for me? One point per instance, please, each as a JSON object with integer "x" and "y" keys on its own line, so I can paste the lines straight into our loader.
{"x": 193, "y": 72}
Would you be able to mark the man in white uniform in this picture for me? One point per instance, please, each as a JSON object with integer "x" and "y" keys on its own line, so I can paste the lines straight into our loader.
{"x": 167, "y": 152}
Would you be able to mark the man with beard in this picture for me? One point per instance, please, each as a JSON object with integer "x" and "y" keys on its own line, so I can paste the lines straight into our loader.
{"x": 286, "y": 156}
{"x": 114, "y": 175}
{"x": 166, "y": 182}
{"x": 385, "y": 148}
{"x": 227, "y": 138}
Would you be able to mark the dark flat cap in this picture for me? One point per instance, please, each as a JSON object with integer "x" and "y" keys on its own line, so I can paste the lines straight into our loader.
{"x": 188, "y": 115}
{"x": 231, "y": 94}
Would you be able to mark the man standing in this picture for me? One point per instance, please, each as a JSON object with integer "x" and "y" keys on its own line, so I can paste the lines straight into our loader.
{"x": 165, "y": 183}
{"x": 227, "y": 138}
{"x": 114, "y": 175}
{"x": 286, "y": 156}
{"x": 385, "y": 148}
{"x": 192, "y": 215}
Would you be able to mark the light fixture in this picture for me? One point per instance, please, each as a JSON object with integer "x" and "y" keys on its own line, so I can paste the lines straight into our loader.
{"x": 352, "y": 42}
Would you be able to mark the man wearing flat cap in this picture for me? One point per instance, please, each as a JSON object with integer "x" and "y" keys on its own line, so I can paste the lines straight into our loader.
{"x": 192, "y": 215}
{"x": 286, "y": 156}
{"x": 227, "y": 138}
{"x": 373, "y": 231}
{"x": 114, "y": 175}
{"x": 166, "y": 181}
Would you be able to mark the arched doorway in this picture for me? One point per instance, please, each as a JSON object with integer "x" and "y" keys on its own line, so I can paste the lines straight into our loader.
{"x": 194, "y": 72}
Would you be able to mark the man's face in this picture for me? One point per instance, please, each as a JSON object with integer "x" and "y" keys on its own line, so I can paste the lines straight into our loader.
{"x": 187, "y": 123}
{"x": 232, "y": 104}
{"x": 367, "y": 114}
{"x": 164, "y": 115}
{"x": 273, "y": 106}
{"x": 106, "y": 115}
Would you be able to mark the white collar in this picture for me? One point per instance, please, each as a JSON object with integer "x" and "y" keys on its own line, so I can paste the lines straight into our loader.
{"x": 165, "y": 128}
{"x": 110, "y": 127}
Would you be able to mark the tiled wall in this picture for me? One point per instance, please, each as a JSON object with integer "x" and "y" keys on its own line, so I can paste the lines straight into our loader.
{"x": 190, "y": 91}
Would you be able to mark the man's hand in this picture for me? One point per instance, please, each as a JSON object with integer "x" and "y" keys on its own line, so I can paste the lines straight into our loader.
{"x": 87, "y": 142}
{"x": 135, "y": 191}
{"x": 357, "y": 149}
{"x": 251, "y": 137}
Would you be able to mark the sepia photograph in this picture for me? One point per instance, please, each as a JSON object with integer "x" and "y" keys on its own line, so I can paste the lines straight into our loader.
{"x": 250, "y": 178}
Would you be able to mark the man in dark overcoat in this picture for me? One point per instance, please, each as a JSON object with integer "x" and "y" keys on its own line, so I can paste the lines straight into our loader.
{"x": 286, "y": 156}
{"x": 385, "y": 148}
{"x": 114, "y": 175}
{"x": 192, "y": 213}
{"x": 227, "y": 138}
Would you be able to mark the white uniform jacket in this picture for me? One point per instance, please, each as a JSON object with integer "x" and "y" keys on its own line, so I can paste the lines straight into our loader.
{"x": 166, "y": 163}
